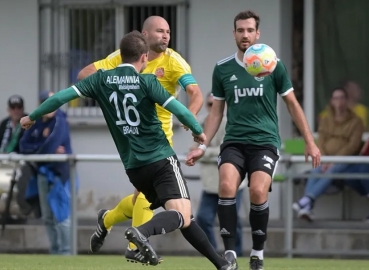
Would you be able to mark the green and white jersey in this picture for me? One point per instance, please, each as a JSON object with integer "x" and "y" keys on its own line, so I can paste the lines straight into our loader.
{"x": 251, "y": 101}
{"x": 127, "y": 100}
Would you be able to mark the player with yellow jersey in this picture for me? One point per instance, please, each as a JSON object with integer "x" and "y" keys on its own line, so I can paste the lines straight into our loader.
{"x": 174, "y": 74}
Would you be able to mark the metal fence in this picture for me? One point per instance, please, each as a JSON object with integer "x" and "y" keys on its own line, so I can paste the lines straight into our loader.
{"x": 289, "y": 162}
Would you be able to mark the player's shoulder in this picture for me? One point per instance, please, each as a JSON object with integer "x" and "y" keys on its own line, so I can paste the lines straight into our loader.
{"x": 226, "y": 61}
{"x": 280, "y": 68}
{"x": 104, "y": 72}
{"x": 114, "y": 55}
{"x": 280, "y": 63}
{"x": 175, "y": 57}
{"x": 172, "y": 54}
{"x": 147, "y": 78}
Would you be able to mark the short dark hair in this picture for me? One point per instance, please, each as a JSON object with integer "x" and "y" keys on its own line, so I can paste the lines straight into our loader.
{"x": 132, "y": 46}
{"x": 244, "y": 15}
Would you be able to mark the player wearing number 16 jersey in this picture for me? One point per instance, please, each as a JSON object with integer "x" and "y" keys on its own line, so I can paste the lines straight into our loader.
{"x": 127, "y": 100}
{"x": 174, "y": 74}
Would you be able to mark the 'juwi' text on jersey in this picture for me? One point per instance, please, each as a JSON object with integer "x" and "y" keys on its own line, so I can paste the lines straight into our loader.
{"x": 247, "y": 92}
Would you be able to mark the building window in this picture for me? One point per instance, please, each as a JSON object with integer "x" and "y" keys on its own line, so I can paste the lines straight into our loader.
{"x": 73, "y": 35}
{"x": 92, "y": 37}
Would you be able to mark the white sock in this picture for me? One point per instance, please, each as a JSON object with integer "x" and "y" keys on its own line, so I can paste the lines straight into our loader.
{"x": 234, "y": 253}
{"x": 257, "y": 253}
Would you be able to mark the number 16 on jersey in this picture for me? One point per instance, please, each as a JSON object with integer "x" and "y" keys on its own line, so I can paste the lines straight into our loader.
{"x": 129, "y": 125}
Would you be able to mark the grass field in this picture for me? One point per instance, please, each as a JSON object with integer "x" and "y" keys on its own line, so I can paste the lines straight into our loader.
{"x": 43, "y": 262}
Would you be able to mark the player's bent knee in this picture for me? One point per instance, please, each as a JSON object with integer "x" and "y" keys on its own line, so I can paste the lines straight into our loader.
{"x": 258, "y": 195}
{"x": 182, "y": 206}
{"x": 227, "y": 188}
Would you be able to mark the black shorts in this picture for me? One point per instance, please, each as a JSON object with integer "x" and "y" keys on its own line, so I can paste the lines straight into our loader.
{"x": 160, "y": 181}
{"x": 248, "y": 158}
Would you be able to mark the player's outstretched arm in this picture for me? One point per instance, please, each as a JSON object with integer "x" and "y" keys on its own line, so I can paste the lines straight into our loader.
{"x": 299, "y": 118}
{"x": 110, "y": 62}
{"x": 49, "y": 105}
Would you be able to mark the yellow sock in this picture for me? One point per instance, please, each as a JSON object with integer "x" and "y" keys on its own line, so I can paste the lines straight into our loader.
{"x": 141, "y": 213}
{"x": 122, "y": 212}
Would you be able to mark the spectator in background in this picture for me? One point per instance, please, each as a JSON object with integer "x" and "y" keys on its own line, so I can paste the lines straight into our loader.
{"x": 50, "y": 135}
{"x": 210, "y": 179}
{"x": 354, "y": 95}
{"x": 340, "y": 134}
{"x": 10, "y": 130}
{"x": 353, "y": 91}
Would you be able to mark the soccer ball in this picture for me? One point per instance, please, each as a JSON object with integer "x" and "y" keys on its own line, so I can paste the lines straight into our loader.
{"x": 260, "y": 60}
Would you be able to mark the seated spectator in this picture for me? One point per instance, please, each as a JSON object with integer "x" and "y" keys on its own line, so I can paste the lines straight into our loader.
{"x": 340, "y": 134}
{"x": 210, "y": 179}
{"x": 353, "y": 91}
{"x": 50, "y": 135}
{"x": 10, "y": 130}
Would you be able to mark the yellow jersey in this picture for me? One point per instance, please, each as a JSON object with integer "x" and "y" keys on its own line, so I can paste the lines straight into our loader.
{"x": 173, "y": 73}
{"x": 359, "y": 109}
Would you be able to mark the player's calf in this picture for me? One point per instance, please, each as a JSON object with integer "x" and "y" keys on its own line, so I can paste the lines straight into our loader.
{"x": 162, "y": 223}
{"x": 259, "y": 216}
{"x": 192, "y": 232}
{"x": 230, "y": 180}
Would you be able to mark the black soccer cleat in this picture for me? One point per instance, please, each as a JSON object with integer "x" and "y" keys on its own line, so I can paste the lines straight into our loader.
{"x": 135, "y": 256}
{"x": 256, "y": 263}
{"x": 229, "y": 256}
{"x": 134, "y": 236}
{"x": 98, "y": 237}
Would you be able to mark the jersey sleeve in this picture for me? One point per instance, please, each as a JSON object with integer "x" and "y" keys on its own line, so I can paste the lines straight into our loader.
{"x": 181, "y": 72}
{"x": 111, "y": 61}
{"x": 88, "y": 86}
{"x": 217, "y": 88}
{"x": 156, "y": 92}
{"x": 282, "y": 80}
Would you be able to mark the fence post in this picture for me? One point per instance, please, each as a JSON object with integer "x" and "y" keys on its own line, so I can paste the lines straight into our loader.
{"x": 73, "y": 210}
{"x": 288, "y": 236}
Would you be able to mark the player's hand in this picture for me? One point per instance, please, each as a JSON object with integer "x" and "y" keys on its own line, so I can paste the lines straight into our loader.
{"x": 313, "y": 151}
{"x": 199, "y": 138}
{"x": 26, "y": 122}
{"x": 193, "y": 156}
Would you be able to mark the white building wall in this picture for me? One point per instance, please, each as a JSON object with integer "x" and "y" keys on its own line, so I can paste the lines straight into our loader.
{"x": 210, "y": 39}
{"x": 18, "y": 52}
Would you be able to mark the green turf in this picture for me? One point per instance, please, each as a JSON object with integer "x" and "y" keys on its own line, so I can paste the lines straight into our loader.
{"x": 92, "y": 262}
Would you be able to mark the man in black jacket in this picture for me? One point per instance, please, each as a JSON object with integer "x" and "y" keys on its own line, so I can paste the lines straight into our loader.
{"x": 10, "y": 130}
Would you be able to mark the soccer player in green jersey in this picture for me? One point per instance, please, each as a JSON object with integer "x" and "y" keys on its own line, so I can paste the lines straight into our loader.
{"x": 127, "y": 100}
{"x": 252, "y": 137}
